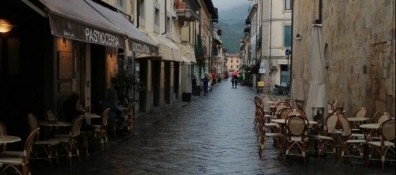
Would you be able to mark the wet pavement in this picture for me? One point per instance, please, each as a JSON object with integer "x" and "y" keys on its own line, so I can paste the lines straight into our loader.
{"x": 211, "y": 135}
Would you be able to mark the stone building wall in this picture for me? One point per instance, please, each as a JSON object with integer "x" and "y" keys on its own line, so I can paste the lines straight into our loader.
{"x": 359, "y": 39}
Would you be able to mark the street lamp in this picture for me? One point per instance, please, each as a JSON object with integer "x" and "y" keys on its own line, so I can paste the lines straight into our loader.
{"x": 5, "y": 26}
{"x": 187, "y": 12}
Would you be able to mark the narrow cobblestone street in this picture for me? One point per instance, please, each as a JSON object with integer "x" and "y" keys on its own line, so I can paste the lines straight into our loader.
{"x": 211, "y": 135}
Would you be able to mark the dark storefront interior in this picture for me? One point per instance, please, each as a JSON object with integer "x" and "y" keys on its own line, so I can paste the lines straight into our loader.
{"x": 25, "y": 77}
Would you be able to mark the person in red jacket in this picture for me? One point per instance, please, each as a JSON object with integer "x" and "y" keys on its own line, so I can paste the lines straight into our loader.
{"x": 214, "y": 78}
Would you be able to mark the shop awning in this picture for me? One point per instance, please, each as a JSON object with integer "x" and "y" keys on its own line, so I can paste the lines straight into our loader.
{"x": 138, "y": 42}
{"x": 77, "y": 20}
{"x": 188, "y": 53}
{"x": 167, "y": 49}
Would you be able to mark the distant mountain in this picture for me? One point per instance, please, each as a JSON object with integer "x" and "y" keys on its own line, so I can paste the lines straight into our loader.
{"x": 232, "y": 23}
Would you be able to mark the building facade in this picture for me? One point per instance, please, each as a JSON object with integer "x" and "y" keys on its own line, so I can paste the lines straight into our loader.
{"x": 359, "y": 49}
{"x": 269, "y": 26}
{"x": 233, "y": 62}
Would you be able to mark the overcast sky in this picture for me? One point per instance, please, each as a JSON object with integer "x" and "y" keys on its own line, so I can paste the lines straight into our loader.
{"x": 225, "y": 4}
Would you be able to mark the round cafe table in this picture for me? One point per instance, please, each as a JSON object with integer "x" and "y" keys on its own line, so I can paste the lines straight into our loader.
{"x": 9, "y": 139}
{"x": 368, "y": 130}
{"x": 355, "y": 119}
{"x": 282, "y": 121}
{"x": 90, "y": 116}
{"x": 47, "y": 123}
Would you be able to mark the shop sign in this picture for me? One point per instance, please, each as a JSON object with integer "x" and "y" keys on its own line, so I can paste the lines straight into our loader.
{"x": 63, "y": 27}
{"x": 143, "y": 48}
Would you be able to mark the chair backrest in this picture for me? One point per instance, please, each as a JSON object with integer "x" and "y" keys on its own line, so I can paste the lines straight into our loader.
{"x": 76, "y": 126}
{"x": 330, "y": 106}
{"x": 258, "y": 99}
{"x": 339, "y": 110}
{"x": 29, "y": 144}
{"x": 346, "y": 128}
{"x": 361, "y": 113}
{"x": 50, "y": 115}
{"x": 300, "y": 107}
{"x": 283, "y": 113}
{"x": 384, "y": 117}
{"x": 331, "y": 123}
{"x": 375, "y": 116}
{"x": 32, "y": 122}
{"x": 387, "y": 130}
{"x": 296, "y": 125}
{"x": 266, "y": 100}
{"x": 295, "y": 112}
{"x": 3, "y": 131}
{"x": 336, "y": 104}
{"x": 280, "y": 106}
{"x": 105, "y": 117}
{"x": 260, "y": 115}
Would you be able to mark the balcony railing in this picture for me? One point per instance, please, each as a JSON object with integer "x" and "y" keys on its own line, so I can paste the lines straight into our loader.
{"x": 184, "y": 11}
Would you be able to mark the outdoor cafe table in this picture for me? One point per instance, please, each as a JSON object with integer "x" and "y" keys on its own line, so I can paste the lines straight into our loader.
{"x": 90, "y": 116}
{"x": 355, "y": 119}
{"x": 368, "y": 130}
{"x": 48, "y": 123}
{"x": 282, "y": 121}
{"x": 9, "y": 139}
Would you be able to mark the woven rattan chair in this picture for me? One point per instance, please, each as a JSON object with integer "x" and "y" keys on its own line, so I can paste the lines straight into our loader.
{"x": 101, "y": 130}
{"x": 267, "y": 101}
{"x": 326, "y": 140}
{"x": 282, "y": 114}
{"x": 349, "y": 145}
{"x": 3, "y": 131}
{"x": 131, "y": 117}
{"x": 295, "y": 112}
{"x": 300, "y": 107}
{"x": 375, "y": 116}
{"x": 46, "y": 145}
{"x": 256, "y": 103}
{"x": 70, "y": 143}
{"x": 387, "y": 141}
{"x": 296, "y": 136}
{"x": 263, "y": 135}
{"x": 384, "y": 117}
{"x": 360, "y": 113}
{"x": 280, "y": 106}
{"x": 20, "y": 164}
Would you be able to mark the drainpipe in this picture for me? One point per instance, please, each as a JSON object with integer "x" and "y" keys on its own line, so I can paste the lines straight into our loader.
{"x": 138, "y": 13}
{"x": 166, "y": 17}
{"x": 270, "y": 41}
{"x": 292, "y": 38}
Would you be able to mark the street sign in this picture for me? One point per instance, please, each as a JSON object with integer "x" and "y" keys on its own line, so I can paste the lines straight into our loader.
{"x": 288, "y": 52}
{"x": 262, "y": 69}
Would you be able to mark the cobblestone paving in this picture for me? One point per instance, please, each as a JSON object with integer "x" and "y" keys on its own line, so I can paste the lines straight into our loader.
{"x": 211, "y": 135}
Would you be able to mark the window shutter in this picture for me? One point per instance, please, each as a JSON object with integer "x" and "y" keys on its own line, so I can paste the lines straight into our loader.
{"x": 287, "y": 36}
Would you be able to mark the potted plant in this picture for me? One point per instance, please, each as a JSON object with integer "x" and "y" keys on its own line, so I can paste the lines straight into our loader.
{"x": 123, "y": 82}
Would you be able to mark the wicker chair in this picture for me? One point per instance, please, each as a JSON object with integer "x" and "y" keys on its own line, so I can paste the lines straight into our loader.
{"x": 296, "y": 135}
{"x": 348, "y": 144}
{"x": 131, "y": 117}
{"x": 20, "y": 164}
{"x": 384, "y": 117}
{"x": 280, "y": 106}
{"x": 263, "y": 135}
{"x": 375, "y": 116}
{"x": 295, "y": 112}
{"x": 282, "y": 114}
{"x": 327, "y": 138}
{"x": 386, "y": 142}
{"x": 46, "y": 145}
{"x": 360, "y": 113}
{"x": 101, "y": 130}
{"x": 3, "y": 131}
{"x": 70, "y": 143}
{"x": 266, "y": 100}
